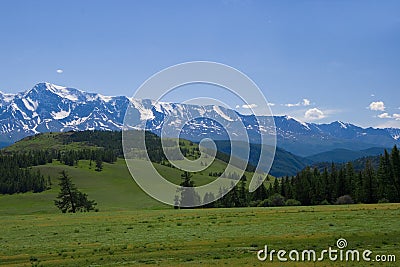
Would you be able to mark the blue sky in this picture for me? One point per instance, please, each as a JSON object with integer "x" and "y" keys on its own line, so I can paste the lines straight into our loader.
{"x": 330, "y": 60}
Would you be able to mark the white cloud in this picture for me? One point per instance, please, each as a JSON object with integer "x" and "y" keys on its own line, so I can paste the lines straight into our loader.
{"x": 377, "y": 106}
{"x": 305, "y": 102}
{"x": 372, "y": 95}
{"x": 292, "y": 105}
{"x": 271, "y": 104}
{"x": 396, "y": 117}
{"x": 389, "y": 124}
{"x": 59, "y": 71}
{"x": 384, "y": 116}
{"x": 314, "y": 114}
{"x": 249, "y": 106}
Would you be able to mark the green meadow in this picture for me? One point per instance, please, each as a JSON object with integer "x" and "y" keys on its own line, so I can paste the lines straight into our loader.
{"x": 209, "y": 237}
{"x": 113, "y": 188}
{"x": 132, "y": 229}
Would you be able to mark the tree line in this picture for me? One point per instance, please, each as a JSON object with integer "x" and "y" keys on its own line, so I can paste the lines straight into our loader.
{"x": 344, "y": 184}
{"x": 17, "y": 176}
{"x": 72, "y": 157}
{"x": 334, "y": 185}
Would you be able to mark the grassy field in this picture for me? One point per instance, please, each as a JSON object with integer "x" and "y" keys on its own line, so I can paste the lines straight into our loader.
{"x": 217, "y": 237}
{"x": 113, "y": 188}
{"x": 133, "y": 229}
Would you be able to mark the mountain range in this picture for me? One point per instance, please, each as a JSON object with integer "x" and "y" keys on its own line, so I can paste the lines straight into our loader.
{"x": 52, "y": 108}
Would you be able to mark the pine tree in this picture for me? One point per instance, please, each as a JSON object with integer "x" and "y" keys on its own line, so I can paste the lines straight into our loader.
{"x": 350, "y": 180}
{"x": 395, "y": 163}
{"x": 243, "y": 192}
{"x": 386, "y": 188}
{"x": 317, "y": 188}
{"x": 70, "y": 199}
{"x": 276, "y": 187}
{"x": 260, "y": 193}
{"x": 370, "y": 184}
{"x": 332, "y": 193}
{"x": 176, "y": 202}
{"x": 283, "y": 189}
{"x": 303, "y": 186}
{"x": 359, "y": 188}
{"x": 234, "y": 196}
{"x": 189, "y": 197}
{"x": 209, "y": 198}
{"x": 99, "y": 165}
{"x": 341, "y": 183}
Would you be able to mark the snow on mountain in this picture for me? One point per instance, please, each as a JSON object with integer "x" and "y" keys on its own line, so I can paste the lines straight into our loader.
{"x": 5, "y": 98}
{"x": 218, "y": 110}
{"x": 48, "y": 107}
{"x": 395, "y": 133}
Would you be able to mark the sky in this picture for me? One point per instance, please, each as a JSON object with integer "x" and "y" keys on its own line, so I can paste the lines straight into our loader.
{"x": 317, "y": 61}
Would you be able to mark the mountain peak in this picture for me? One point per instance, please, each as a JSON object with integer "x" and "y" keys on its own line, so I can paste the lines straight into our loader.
{"x": 342, "y": 124}
{"x": 62, "y": 91}
{"x": 304, "y": 124}
{"x": 6, "y": 97}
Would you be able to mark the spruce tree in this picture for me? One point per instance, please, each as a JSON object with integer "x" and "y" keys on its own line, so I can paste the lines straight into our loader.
{"x": 395, "y": 163}
{"x": 276, "y": 187}
{"x": 370, "y": 184}
{"x": 332, "y": 194}
{"x": 243, "y": 192}
{"x": 386, "y": 188}
{"x": 70, "y": 199}
{"x": 260, "y": 193}
{"x": 359, "y": 188}
{"x": 189, "y": 197}
{"x": 341, "y": 184}
{"x": 350, "y": 180}
{"x": 325, "y": 185}
{"x": 99, "y": 165}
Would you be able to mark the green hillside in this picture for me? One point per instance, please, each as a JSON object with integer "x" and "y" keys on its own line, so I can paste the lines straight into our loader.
{"x": 285, "y": 163}
{"x": 46, "y": 141}
{"x": 113, "y": 188}
{"x": 64, "y": 141}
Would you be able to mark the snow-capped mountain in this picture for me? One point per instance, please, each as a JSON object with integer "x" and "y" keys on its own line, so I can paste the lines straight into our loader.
{"x": 48, "y": 107}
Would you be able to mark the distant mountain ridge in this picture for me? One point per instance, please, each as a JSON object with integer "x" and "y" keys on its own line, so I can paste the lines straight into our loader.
{"x": 48, "y": 107}
{"x": 341, "y": 155}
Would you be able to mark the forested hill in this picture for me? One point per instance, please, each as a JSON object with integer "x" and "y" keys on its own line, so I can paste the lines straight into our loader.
{"x": 285, "y": 163}
{"x": 69, "y": 141}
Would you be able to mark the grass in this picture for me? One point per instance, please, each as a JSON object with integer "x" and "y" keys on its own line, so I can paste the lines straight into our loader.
{"x": 113, "y": 188}
{"x": 195, "y": 237}
{"x": 45, "y": 141}
{"x": 133, "y": 229}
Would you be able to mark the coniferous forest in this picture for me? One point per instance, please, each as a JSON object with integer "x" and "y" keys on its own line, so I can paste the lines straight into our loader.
{"x": 17, "y": 176}
{"x": 334, "y": 185}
